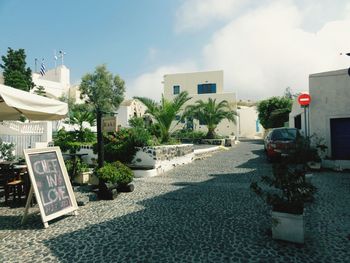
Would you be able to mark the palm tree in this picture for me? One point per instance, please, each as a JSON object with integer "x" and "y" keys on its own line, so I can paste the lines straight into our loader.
{"x": 165, "y": 112}
{"x": 79, "y": 114}
{"x": 211, "y": 114}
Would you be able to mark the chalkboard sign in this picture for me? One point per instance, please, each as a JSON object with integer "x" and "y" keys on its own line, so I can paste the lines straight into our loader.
{"x": 50, "y": 183}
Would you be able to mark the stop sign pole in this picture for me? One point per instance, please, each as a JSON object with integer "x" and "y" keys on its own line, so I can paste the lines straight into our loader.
{"x": 304, "y": 100}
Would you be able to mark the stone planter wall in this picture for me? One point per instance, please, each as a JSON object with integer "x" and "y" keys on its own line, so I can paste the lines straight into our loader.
{"x": 163, "y": 158}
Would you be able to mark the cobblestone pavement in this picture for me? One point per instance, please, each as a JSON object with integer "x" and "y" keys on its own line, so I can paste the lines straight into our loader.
{"x": 201, "y": 212}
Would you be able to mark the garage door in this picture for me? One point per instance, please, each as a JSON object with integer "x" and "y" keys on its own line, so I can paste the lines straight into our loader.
{"x": 340, "y": 138}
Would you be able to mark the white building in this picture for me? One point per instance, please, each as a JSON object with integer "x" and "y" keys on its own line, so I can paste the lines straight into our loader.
{"x": 248, "y": 123}
{"x": 329, "y": 112}
{"x": 56, "y": 82}
{"x": 201, "y": 86}
{"x": 129, "y": 109}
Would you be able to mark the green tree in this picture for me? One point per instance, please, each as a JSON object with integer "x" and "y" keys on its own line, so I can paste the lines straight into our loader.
{"x": 104, "y": 92}
{"x": 15, "y": 73}
{"x": 79, "y": 114}
{"x": 274, "y": 112}
{"x": 40, "y": 90}
{"x": 165, "y": 112}
{"x": 211, "y": 114}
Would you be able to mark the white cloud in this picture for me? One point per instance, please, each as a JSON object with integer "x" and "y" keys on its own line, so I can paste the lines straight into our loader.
{"x": 266, "y": 50}
{"x": 150, "y": 84}
{"x": 197, "y": 14}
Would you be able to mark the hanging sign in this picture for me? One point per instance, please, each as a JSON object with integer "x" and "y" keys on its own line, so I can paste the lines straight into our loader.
{"x": 304, "y": 99}
{"x": 109, "y": 124}
{"x": 50, "y": 183}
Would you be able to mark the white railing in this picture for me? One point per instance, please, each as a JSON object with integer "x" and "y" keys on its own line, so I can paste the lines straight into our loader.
{"x": 25, "y": 128}
{"x": 25, "y": 135}
{"x": 22, "y": 141}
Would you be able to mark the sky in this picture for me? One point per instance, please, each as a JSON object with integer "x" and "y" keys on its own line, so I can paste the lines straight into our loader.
{"x": 263, "y": 46}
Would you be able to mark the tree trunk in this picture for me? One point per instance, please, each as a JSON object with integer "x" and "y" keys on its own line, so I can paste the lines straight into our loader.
{"x": 211, "y": 134}
{"x": 100, "y": 150}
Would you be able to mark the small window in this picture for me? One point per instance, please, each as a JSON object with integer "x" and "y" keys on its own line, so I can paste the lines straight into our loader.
{"x": 206, "y": 88}
{"x": 176, "y": 89}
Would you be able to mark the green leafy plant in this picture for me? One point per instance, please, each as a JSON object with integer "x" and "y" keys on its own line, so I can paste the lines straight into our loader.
{"x": 6, "y": 151}
{"x": 164, "y": 113}
{"x": 115, "y": 172}
{"x": 72, "y": 141}
{"x": 274, "y": 112}
{"x": 108, "y": 173}
{"x": 287, "y": 190}
{"x": 125, "y": 174}
{"x": 76, "y": 167}
{"x": 188, "y": 134}
{"x": 121, "y": 145}
{"x": 210, "y": 113}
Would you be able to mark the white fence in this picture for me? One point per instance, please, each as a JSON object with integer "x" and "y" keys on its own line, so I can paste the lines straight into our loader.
{"x": 25, "y": 135}
{"x": 21, "y": 142}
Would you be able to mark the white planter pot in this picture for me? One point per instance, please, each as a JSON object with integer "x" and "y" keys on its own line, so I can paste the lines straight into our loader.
{"x": 82, "y": 178}
{"x": 314, "y": 165}
{"x": 308, "y": 177}
{"x": 288, "y": 227}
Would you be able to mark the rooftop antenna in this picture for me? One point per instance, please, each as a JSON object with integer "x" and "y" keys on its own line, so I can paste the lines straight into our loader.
{"x": 55, "y": 59}
{"x": 61, "y": 55}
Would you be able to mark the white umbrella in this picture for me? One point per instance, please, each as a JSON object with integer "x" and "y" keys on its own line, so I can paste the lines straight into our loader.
{"x": 15, "y": 102}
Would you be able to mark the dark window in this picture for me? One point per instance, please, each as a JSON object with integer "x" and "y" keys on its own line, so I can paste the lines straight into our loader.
{"x": 207, "y": 88}
{"x": 176, "y": 89}
{"x": 297, "y": 121}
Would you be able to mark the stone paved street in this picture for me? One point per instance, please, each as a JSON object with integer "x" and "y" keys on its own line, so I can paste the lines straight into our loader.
{"x": 201, "y": 212}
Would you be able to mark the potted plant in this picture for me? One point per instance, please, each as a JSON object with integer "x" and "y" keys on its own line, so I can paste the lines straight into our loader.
{"x": 78, "y": 171}
{"x": 108, "y": 176}
{"x": 124, "y": 177}
{"x": 82, "y": 173}
{"x": 287, "y": 192}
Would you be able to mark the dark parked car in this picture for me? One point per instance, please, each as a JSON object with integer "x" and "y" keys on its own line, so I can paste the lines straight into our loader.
{"x": 281, "y": 142}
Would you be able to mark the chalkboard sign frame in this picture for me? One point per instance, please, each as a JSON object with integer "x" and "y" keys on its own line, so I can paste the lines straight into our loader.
{"x": 73, "y": 204}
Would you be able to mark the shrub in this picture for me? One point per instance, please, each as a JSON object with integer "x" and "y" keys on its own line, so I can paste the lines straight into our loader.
{"x": 288, "y": 190}
{"x": 108, "y": 173}
{"x": 6, "y": 151}
{"x": 188, "y": 134}
{"x": 80, "y": 167}
{"x": 121, "y": 145}
{"x": 72, "y": 141}
{"x": 125, "y": 174}
{"x": 115, "y": 172}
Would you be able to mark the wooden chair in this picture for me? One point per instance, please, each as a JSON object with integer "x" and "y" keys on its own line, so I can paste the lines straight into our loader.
{"x": 12, "y": 182}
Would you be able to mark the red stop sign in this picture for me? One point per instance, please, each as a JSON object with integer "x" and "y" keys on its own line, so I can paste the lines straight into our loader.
{"x": 304, "y": 99}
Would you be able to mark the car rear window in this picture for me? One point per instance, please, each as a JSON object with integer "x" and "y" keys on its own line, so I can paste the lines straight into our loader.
{"x": 284, "y": 134}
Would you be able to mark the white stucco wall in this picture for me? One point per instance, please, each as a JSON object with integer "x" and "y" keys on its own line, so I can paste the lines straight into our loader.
{"x": 248, "y": 117}
{"x": 55, "y": 81}
{"x": 189, "y": 82}
{"x": 330, "y": 98}
{"x": 330, "y": 94}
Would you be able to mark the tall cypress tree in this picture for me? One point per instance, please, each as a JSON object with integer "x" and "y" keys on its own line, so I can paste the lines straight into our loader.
{"x": 15, "y": 73}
